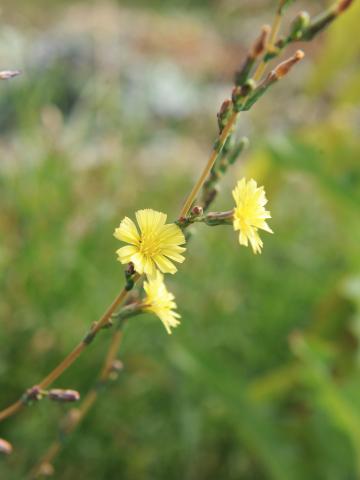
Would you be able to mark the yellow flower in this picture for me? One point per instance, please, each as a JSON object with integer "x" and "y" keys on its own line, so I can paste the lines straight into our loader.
{"x": 161, "y": 302}
{"x": 154, "y": 247}
{"x": 249, "y": 213}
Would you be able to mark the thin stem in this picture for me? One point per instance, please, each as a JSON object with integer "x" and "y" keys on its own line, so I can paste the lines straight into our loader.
{"x": 11, "y": 410}
{"x": 228, "y": 127}
{"x": 45, "y": 466}
{"x": 64, "y": 365}
{"x": 87, "y": 403}
{"x": 214, "y": 155}
{"x": 111, "y": 354}
{"x": 71, "y": 358}
{"x": 275, "y": 28}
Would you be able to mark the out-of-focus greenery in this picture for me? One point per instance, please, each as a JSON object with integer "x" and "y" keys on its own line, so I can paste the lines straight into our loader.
{"x": 115, "y": 111}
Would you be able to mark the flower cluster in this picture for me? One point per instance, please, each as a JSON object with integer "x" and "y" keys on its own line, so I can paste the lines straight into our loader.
{"x": 154, "y": 245}
{"x": 153, "y": 249}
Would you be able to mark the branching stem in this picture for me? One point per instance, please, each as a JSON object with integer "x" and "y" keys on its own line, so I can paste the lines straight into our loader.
{"x": 71, "y": 358}
{"x": 226, "y": 132}
{"x": 45, "y": 464}
{"x": 213, "y": 157}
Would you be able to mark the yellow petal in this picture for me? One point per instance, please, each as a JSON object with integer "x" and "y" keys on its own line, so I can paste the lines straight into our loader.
{"x": 266, "y": 227}
{"x": 149, "y": 266}
{"x": 256, "y": 242}
{"x": 126, "y": 253}
{"x": 149, "y": 219}
{"x": 243, "y": 239}
{"x": 138, "y": 261}
{"x": 249, "y": 213}
{"x": 171, "y": 234}
{"x": 127, "y": 232}
{"x": 164, "y": 264}
{"x": 173, "y": 255}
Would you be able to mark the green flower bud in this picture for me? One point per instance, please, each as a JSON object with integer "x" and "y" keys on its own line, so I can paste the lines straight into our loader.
{"x": 300, "y": 22}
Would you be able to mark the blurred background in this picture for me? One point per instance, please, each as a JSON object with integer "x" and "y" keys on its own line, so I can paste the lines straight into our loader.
{"x": 115, "y": 110}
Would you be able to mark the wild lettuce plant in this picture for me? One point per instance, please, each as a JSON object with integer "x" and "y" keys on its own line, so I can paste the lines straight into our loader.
{"x": 153, "y": 247}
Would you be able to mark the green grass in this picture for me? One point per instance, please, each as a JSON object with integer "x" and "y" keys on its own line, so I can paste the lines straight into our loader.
{"x": 261, "y": 380}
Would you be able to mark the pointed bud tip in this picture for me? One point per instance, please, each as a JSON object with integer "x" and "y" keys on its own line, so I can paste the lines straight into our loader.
{"x": 283, "y": 68}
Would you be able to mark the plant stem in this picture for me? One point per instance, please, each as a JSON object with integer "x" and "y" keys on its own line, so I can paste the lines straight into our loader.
{"x": 71, "y": 358}
{"x": 87, "y": 403}
{"x": 213, "y": 157}
{"x": 228, "y": 127}
{"x": 11, "y": 410}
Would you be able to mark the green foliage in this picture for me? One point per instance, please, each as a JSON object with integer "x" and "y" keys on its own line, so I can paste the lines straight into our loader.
{"x": 262, "y": 379}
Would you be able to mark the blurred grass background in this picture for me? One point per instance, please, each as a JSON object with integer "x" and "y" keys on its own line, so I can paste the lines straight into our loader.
{"x": 115, "y": 111}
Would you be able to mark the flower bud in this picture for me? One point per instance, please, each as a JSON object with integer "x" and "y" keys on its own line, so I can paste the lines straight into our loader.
{"x": 197, "y": 211}
{"x": 224, "y": 114}
{"x": 5, "y": 447}
{"x": 248, "y": 87}
{"x": 240, "y": 93}
{"x": 32, "y": 394}
{"x": 344, "y": 5}
{"x": 260, "y": 43}
{"x": 7, "y": 74}
{"x": 300, "y": 22}
{"x": 283, "y": 5}
{"x": 283, "y": 68}
{"x": 130, "y": 269}
{"x": 65, "y": 396}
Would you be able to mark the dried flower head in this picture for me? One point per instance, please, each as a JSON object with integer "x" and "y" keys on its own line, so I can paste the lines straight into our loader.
{"x": 250, "y": 214}
{"x": 154, "y": 247}
{"x": 161, "y": 302}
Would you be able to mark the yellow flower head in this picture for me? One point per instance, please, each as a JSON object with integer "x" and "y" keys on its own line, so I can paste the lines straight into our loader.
{"x": 249, "y": 213}
{"x": 161, "y": 302}
{"x": 154, "y": 247}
